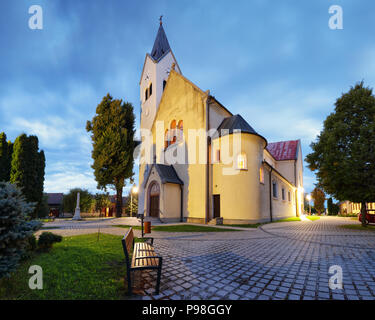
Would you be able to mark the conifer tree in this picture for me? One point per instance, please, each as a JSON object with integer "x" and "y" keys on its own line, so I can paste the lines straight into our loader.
{"x": 4, "y": 157}
{"x": 27, "y": 169}
{"x": 113, "y": 131}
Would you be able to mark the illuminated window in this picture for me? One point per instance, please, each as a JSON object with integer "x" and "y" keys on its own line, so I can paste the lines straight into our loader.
{"x": 261, "y": 175}
{"x": 166, "y": 139}
{"x": 173, "y": 132}
{"x": 180, "y": 133}
{"x": 289, "y": 196}
{"x": 241, "y": 162}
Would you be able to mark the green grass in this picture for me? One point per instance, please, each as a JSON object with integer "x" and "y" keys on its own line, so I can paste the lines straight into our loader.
{"x": 289, "y": 219}
{"x": 312, "y": 218}
{"x": 127, "y": 227}
{"x": 255, "y": 225}
{"x": 79, "y": 267}
{"x": 359, "y": 227}
{"x": 190, "y": 228}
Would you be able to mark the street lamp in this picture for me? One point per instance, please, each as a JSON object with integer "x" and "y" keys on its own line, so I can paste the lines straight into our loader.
{"x": 133, "y": 190}
{"x": 308, "y": 197}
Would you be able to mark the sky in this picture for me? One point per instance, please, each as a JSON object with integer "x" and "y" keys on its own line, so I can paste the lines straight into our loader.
{"x": 277, "y": 63}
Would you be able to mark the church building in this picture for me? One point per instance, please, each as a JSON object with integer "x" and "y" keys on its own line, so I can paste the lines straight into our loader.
{"x": 202, "y": 164}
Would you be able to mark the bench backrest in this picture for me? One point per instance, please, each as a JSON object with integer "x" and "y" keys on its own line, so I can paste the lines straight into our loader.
{"x": 127, "y": 245}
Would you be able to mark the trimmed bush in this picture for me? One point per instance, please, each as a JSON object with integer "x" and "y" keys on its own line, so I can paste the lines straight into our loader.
{"x": 47, "y": 239}
{"x": 15, "y": 227}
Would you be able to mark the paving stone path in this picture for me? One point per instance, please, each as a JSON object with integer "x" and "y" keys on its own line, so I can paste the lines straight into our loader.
{"x": 288, "y": 260}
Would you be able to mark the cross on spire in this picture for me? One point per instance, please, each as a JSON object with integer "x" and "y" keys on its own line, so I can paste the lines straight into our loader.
{"x": 161, "y": 19}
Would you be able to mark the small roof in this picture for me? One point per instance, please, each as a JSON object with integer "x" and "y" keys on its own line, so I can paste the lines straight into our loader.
{"x": 55, "y": 198}
{"x": 161, "y": 44}
{"x": 167, "y": 174}
{"x": 233, "y": 124}
{"x": 284, "y": 150}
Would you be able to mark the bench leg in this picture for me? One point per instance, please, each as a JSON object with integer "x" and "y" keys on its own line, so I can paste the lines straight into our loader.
{"x": 129, "y": 283}
{"x": 158, "y": 278}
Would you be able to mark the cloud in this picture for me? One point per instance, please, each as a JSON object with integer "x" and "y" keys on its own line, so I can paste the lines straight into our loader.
{"x": 68, "y": 179}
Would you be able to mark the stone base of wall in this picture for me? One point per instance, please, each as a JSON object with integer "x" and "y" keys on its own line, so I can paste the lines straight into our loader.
{"x": 196, "y": 220}
{"x": 238, "y": 221}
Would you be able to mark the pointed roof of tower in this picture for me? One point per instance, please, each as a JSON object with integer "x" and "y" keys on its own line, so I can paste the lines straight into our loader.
{"x": 161, "y": 44}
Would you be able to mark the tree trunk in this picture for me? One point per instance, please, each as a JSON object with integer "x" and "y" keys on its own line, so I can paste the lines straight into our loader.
{"x": 363, "y": 213}
{"x": 118, "y": 202}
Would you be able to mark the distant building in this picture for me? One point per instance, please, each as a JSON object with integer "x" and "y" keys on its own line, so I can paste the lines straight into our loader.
{"x": 347, "y": 207}
{"x": 111, "y": 210}
{"x": 55, "y": 202}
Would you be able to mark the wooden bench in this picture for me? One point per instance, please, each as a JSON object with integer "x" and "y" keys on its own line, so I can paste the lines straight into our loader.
{"x": 144, "y": 257}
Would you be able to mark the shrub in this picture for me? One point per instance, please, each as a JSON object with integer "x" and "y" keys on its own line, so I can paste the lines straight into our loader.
{"x": 32, "y": 244}
{"x": 47, "y": 239}
{"x": 15, "y": 229}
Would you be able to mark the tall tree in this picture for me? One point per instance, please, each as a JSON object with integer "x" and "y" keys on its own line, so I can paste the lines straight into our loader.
{"x": 27, "y": 169}
{"x": 330, "y": 206}
{"x": 113, "y": 131}
{"x": 319, "y": 197}
{"x": 4, "y": 158}
{"x": 9, "y": 164}
{"x": 344, "y": 154}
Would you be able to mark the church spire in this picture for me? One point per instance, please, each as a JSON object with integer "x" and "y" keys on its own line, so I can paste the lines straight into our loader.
{"x": 161, "y": 44}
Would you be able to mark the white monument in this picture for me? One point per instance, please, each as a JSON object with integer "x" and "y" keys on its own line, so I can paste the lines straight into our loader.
{"x": 77, "y": 213}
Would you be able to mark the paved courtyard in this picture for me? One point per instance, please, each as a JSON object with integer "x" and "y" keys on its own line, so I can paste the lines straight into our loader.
{"x": 288, "y": 260}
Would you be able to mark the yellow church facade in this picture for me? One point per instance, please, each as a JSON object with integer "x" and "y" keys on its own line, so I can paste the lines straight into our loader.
{"x": 202, "y": 164}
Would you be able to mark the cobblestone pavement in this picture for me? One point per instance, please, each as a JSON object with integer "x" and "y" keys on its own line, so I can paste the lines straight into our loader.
{"x": 277, "y": 261}
{"x": 288, "y": 260}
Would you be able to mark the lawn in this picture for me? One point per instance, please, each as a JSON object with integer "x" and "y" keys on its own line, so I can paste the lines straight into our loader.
{"x": 359, "y": 227}
{"x": 289, "y": 219}
{"x": 80, "y": 267}
{"x": 313, "y": 218}
{"x": 127, "y": 227}
{"x": 190, "y": 228}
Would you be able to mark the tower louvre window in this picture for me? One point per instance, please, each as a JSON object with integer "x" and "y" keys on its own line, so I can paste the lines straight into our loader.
{"x": 150, "y": 89}
{"x": 164, "y": 84}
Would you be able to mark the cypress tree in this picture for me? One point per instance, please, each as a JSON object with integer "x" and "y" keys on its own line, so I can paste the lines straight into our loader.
{"x": 3, "y": 157}
{"x": 27, "y": 169}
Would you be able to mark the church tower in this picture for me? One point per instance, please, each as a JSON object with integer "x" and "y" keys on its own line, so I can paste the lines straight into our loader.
{"x": 154, "y": 77}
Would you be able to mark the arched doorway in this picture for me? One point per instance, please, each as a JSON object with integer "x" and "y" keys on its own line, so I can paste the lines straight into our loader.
{"x": 153, "y": 199}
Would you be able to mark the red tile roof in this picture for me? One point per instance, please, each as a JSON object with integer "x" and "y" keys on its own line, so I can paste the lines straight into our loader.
{"x": 283, "y": 150}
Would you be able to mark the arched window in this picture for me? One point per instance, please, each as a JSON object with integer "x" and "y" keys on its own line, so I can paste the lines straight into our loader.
{"x": 164, "y": 84}
{"x": 166, "y": 139}
{"x": 241, "y": 161}
{"x": 180, "y": 133}
{"x": 146, "y": 94}
{"x": 173, "y": 132}
{"x": 150, "y": 90}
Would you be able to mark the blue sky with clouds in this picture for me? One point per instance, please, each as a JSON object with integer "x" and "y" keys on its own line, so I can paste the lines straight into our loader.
{"x": 276, "y": 63}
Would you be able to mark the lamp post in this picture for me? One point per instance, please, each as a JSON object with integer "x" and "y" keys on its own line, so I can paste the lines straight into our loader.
{"x": 133, "y": 190}
{"x": 308, "y": 197}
